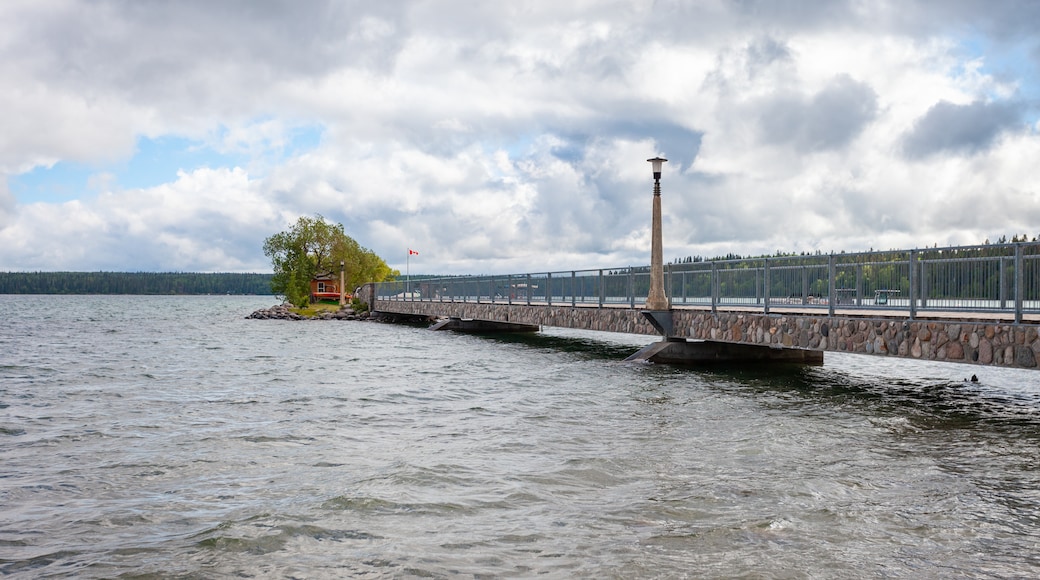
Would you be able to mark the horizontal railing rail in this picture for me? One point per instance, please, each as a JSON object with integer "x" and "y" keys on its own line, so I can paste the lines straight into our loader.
{"x": 987, "y": 278}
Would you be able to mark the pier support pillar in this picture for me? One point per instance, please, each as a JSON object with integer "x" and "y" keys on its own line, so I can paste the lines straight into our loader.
{"x": 661, "y": 320}
{"x": 683, "y": 352}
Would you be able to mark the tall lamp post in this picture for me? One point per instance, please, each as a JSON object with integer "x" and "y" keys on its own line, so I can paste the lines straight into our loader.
{"x": 342, "y": 283}
{"x": 657, "y": 299}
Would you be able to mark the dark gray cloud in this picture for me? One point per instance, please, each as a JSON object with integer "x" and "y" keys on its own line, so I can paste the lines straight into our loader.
{"x": 7, "y": 202}
{"x": 197, "y": 52}
{"x": 764, "y": 52}
{"x": 487, "y": 131}
{"x": 680, "y": 20}
{"x": 1002, "y": 20}
{"x": 801, "y": 14}
{"x": 828, "y": 120}
{"x": 971, "y": 128}
{"x": 679, "y": 144}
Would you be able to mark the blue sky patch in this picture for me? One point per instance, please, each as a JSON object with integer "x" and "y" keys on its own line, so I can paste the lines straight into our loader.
{"x": 155, "y": 162}
{"x": 1007, "y": 62}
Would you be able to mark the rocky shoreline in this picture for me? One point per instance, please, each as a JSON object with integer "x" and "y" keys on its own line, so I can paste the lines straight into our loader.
{"x": 284, "y": 312}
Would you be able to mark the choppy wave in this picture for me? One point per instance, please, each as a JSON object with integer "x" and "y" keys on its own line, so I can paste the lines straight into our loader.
{"x": 170, "y": 437}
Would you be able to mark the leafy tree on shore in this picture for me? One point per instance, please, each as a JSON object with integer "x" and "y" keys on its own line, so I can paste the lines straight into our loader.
{"x": 312, "y": 247}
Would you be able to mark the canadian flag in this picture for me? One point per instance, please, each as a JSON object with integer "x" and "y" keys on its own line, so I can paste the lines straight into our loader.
{"x": 412, "y": 252}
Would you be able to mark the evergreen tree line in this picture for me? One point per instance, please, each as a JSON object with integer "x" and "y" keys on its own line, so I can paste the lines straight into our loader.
{"x": 1015, "y": 239}
{"x": 133, "y": 283}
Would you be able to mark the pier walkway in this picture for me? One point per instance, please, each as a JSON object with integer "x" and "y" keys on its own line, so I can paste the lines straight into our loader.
{"x": 973, "y": 304}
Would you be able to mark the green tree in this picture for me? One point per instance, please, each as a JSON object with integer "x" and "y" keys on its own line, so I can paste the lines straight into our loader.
{"x": 312, "y": 247}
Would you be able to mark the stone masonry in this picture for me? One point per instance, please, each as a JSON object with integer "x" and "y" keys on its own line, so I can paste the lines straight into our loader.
{"x": 965, "y": 341}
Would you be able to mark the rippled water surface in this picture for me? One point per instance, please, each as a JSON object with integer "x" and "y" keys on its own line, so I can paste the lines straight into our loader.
{"x": 171, "y": 437}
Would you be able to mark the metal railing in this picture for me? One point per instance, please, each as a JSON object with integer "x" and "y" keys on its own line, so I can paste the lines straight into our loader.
{"x": 988, "y": 278}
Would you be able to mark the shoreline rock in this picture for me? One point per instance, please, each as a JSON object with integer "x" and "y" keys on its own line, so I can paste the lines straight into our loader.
{"x": 284, "y": 312}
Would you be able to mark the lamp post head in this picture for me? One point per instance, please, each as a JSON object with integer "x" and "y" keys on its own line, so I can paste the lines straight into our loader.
{"x": 342, "y": 265}
{"x": 657, "y": 162}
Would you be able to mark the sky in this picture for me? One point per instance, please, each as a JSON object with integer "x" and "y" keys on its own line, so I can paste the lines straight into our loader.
{"x": 511, "y": 137}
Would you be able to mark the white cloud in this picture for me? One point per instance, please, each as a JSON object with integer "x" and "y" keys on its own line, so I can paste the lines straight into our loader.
{"x": 207, "y": 220}
{"x": 508, "y": 137}
{"x": 7, "y": 203}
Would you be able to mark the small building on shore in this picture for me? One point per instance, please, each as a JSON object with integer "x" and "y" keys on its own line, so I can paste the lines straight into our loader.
{"x": 325, "y": 287}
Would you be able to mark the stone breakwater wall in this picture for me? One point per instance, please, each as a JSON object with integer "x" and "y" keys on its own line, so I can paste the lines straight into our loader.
{"x": 284, "y": 312}
{"x": 964, "y": 341}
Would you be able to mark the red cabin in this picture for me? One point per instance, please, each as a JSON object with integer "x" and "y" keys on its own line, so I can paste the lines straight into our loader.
{"x": 326, "y": 287}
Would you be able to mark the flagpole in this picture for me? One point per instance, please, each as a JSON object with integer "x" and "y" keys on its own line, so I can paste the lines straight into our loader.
{"x": 408, "y": 271}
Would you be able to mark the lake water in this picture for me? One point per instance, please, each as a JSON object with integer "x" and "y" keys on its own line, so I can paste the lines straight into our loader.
{"x": 155, "y": 437}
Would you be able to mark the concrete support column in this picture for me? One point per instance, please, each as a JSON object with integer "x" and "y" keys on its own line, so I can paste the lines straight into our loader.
{"x": 657, "y": 300}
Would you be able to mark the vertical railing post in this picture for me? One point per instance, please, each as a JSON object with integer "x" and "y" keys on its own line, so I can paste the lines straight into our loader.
{"x": 682, "y": 280}
{"x": 765, "y": 286}
{"x": 602, "y": 291}
{"x": 923, "y": 282}
{"x": 1002, "y": 283}
{"x": 832, "y": 294}
{"x": 668, "y": 286}
{"x": 574, "y": 292}
{"x": 631, "y": 288}
{"x": 509, "y": 289}
{"x": 548, "y": 289}
{"x": 528, "y": 290}
{"x": 1019, "y": 283}
{"x": 914, "y": 283}
{"x": 758, "y": 286}
{"x": 859, "y": 284}
{"x": 714, "y": 287}
{"x": 805, "y": 284}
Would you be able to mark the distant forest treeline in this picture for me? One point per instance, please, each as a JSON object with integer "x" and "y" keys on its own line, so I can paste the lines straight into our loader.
{"x": 1015, "y": 239}
{"x": 133, "y": 283}
{"x": 230, "y": 283}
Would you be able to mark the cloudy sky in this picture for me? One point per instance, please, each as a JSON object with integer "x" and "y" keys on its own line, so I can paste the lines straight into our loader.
{"x": 506, "y": 137}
